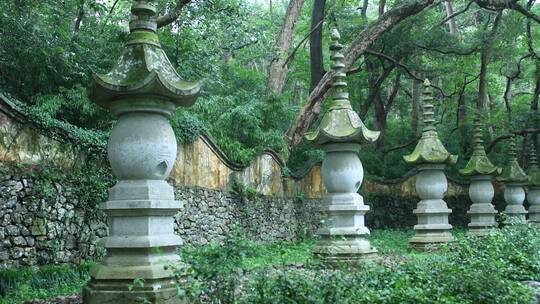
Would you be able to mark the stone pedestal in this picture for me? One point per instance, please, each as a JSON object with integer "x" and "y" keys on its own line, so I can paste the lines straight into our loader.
{"x": 343, "y": 235}
{"x": 533, "y": 196}
{"x": 141, "y": 245}
{"x": 514, "y": 196}
{"x": 433, "y": 228}
{"x": 482, "y": 212}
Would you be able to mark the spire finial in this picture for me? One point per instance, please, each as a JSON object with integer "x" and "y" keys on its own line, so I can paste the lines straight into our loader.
{"x": 513, "y": 148}
{"x": 339, "y": 81}
{"x": 478, "y": 142}
{"x": 143, "y": 16}
{"x": 428, "y": 108}
{"x": 532, "y": 156}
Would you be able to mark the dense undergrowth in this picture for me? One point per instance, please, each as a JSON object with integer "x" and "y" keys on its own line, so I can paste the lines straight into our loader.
{"x": 471, "y": 270}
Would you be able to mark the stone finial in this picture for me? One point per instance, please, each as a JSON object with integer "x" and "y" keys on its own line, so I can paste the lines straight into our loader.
{"x": 340, "y": 123}
{"x": 479, "y": 164}
{"x": 534, "y": 171}
{"x": 428, "y": 108}
{"x": 429, "y": 149}
{"x": 512, "y": 171}
{"x": 143, "y": 16}
{"x": 143, "y": 68}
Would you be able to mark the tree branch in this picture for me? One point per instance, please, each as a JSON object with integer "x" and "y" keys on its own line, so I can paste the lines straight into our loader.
{"x": 359, "y": 45}
{"x": 456, "y": 13}
{"x": 523, "y": 132}
{"x": 172, "y": 15}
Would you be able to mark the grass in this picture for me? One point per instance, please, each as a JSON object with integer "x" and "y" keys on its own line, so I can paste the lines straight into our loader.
{"x": 27, "y": 283}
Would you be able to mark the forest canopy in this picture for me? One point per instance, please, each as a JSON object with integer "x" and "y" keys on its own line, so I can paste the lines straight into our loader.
{"x": 264, "y": 63}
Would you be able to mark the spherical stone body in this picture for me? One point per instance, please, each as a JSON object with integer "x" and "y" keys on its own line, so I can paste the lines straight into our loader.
{"x": 142, "y": 145}
{"x": 342, "y": 172}
{"x": 431, "y": 184}
{"x": 514, "y": 194}
{"x": 481, "y": 191}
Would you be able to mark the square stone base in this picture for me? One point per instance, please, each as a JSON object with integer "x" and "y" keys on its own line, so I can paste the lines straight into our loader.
{"x": 130, "y": 292}
{"x": 430, "y": 241}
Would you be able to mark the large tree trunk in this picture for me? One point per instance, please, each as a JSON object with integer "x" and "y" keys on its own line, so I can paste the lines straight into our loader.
{"x": 382, "y": 109}
{"x": 315, "y": 43}
{"x": 452, "y": 27}
{"x": 363, "y": 11}
{"x": 382, "y": 6}
{"x": 462, "y": 121}
{"x": 485, "y": 56}
{"x": 80, "y": 17}
{"x": 277, "y": 71}
{"x": 359, "y": 45}
{"x": 534, "y": 104}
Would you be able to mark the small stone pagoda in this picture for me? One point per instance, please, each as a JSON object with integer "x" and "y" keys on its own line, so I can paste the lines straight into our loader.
{"x": 340, "y": 133}
{"x": 142, "y": 90}
{"x": 533, "y": 193}
{"x": 514, "y": 178}
{"x": 430, "y": 158}
{"x": 481, "y": 191}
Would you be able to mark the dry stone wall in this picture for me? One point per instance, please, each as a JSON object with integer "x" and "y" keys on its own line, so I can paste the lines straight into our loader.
{"x": 38, "y": 229}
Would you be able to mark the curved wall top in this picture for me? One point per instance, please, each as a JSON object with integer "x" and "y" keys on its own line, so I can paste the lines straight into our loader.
{"x": 198, "y": 164}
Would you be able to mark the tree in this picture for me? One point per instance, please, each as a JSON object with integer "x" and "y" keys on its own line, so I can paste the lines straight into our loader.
{"x": 277, "y": 71}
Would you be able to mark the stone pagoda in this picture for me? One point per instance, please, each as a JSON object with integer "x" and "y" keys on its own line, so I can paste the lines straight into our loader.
{"x": 514, "y": 178}
{"x": 533, "y": 193}
{"x": 481, "y": 191}
{"x": 142, "y": 90}
{"x": 340, "y": 133}
{"x": 430, "y": 158}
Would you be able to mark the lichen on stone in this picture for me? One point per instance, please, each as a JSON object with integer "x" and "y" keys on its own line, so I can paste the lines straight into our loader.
{"x": 340, "y": 123}
{"x": 429, "y": 149}
{"x": 143, "y": 69}
{"x": 479, "y": 163}
{"x": 512, "y": 171}
{"x": 534, "y": 171}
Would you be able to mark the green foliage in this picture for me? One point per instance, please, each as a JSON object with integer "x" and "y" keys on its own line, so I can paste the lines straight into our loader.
{"x": 471, "y": 271}
{"x": 22, "y": 284}
{"x": 89, "y": 183}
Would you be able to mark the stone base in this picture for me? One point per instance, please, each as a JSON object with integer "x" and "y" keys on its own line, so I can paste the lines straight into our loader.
{"x": 432, "y": 240}
{"x": 534, "y": 214}
{"x": 352, "y": 252}
{"x": 130, "y": 292}
{"x": 482, "y": 219}
{"x": 515, "y": 213}
{"x": 480, "y": 232}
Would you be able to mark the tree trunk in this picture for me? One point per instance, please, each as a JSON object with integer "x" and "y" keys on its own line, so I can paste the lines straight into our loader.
{"x": 80, "y": 17}
{"x": 452, "y": 27}
{"x": 415, "y": 109}
{"x": 363, "y": 12}
{"x": 277, "y": 72}
{"x": 315, "y": 44}
{"x": 534, "y": 104}
{"x": 382, "y": 5}
{"x": 462, "y": 121}
{"x": 359, "y": 45}
{"x": 484, "y": 62}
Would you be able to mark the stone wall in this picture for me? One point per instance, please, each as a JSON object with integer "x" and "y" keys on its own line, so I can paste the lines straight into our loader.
{"x": 210, "y": 215}
{"x": 55, "y": 228}
{"x": 39, "y": 229}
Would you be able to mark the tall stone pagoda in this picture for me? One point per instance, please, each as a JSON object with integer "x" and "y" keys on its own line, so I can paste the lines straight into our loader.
{"x": 142, "y": 90}
{"x": 533, "y": 193}
{"x": 481, "y": 191}
{"x": 430, "y": 158}
{"x": 340, "y": 133}
{"x": 514, "y": 179}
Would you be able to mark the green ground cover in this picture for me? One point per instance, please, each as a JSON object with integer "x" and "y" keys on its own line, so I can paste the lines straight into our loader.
{"x": 241, "y": 271}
